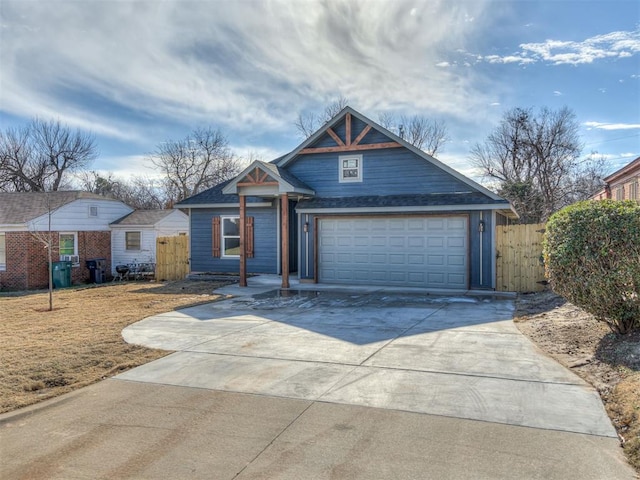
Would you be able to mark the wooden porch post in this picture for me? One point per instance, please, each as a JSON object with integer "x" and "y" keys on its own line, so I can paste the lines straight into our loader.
{"x": 243, "y": 253}
{"x": 284, "y": 214}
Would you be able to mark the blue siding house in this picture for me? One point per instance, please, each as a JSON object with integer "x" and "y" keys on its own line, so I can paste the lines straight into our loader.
{"x": 353, "y": 204}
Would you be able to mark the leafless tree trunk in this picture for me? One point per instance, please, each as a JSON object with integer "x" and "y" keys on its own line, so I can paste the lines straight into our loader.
{"x": 40, "y": 156}
{"x": 199, "y": 161}
{"x": 46, "y": 239}
{"x": 534, "y": 160}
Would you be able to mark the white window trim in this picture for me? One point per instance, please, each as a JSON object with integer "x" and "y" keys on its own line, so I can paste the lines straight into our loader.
{"x": 341, "y": 169}
{"x": 75, "y": 247}
{"x": 91, "y": 207}
{"x": 125, "y": 241}
{"x": 3, "y": 265}
{"x": 223, "y": 236}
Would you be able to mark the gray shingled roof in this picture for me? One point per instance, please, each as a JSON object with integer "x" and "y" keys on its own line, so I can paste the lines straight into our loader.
{"x": 214, "y": 195}
{"x": 286, "y": 176}
{"x": 19, "y": 208}
{"x": 432, "y": 199}
{"x": 143, "y": 217}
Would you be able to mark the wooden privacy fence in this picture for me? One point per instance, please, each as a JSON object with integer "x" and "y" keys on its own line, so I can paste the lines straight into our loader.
{"x": 172, "y": 258}
{"x": 519, "y": 266}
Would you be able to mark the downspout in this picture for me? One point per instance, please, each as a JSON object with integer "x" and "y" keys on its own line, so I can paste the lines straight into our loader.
{"x": 481, "y": 230}
{"x": 306, "y": 239}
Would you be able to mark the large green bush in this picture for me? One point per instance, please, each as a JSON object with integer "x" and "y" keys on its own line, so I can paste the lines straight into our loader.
{"x": 592, "y": 258}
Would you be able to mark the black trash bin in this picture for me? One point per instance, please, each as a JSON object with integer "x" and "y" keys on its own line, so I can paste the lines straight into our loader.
{"x": 97, "y": 270}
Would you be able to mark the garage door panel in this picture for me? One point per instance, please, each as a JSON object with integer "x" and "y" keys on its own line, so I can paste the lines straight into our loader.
{"x": 412, "y": 251}
{"x": 378, "y": 258}
{"x": 456, "y": 260}
{"x": 415, "y": 259}
{"x": 415, "y": 242}
{"x": 435, "y": 241}
{"x": 435, "y": 260}
{"x": 455, "y": 242}
{"x": 378, "y": 241}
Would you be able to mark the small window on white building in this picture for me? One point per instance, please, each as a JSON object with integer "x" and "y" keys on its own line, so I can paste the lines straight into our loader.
{"x": 3, "y": 252}
{"x": 350, "y": 168}
{"x": 132, "y": 240}
{"x": 93, "y": 211}
{"x": 230, "y": 233}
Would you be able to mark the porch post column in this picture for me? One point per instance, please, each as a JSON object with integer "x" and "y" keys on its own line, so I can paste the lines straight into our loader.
{"x": 243, "y": 253}
{"x": 284, "y": 215}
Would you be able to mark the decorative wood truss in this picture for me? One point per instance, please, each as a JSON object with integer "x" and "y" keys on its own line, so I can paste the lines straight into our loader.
{"x": 348, "y": 145}
{"x": 257, "y": 177}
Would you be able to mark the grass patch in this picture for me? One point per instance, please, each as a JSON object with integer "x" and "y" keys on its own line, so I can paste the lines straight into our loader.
{"x": 47, "y": 353}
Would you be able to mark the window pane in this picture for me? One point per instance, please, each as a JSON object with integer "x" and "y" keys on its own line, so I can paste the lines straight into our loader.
{"x": 66, "y": 244}
{"x": 132, "y": 240}
{"x": 350, "y": 163}
{"x": 351, "y": 173}
{"x": 3, "y": 252}
{"x": 231, "y": 227}
{"x": 232, "y": 246}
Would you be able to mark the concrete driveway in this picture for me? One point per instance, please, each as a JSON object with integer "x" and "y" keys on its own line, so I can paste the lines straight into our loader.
{"x": 457, "y": 356}
{"x": 325, "y": 383}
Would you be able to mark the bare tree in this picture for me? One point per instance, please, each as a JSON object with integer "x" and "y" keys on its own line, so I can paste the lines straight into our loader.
{"x": 139, "y": 192}
{"x": 308, "y": 123}
{"x": 41, "y": 156}
{"x": 199, "y": 161}
{"x": 425, "y": 134}
{"x": 534, "y": 160}
{"x": 588, "y": 178}
{"x": 46, "y": 239}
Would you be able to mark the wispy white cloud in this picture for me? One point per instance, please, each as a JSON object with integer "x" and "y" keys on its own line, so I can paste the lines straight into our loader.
{"x": 612, "y": 126}
{"x": 557, "y": 93}
{"x": 620, "y": 44}
{"x": 245, "y": 66}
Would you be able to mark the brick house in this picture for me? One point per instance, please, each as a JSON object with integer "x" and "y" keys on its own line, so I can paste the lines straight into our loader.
{"x": 79, "y": 231}
{"x": 623, "y": 184}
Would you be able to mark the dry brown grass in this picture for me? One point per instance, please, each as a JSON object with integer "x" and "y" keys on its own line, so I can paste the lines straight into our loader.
{"x": 47, "y": 353}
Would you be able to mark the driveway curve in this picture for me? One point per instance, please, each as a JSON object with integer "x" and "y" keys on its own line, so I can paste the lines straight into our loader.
{"x": 454, "y": 356}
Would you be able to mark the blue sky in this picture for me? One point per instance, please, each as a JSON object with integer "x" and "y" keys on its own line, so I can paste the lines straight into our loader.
{"x": 138, "y": 73}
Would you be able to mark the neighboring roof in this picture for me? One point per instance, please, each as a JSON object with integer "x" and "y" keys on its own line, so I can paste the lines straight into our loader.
{"x": 432, "y": 199}
{"x": 627, "y": 169}
{"x": 214, "y": 196}
{"x": 143, "y": 217}
{"x": 288, "y": 183}
{"x": 22, "y": 207}
{"x": 283, "y": 161}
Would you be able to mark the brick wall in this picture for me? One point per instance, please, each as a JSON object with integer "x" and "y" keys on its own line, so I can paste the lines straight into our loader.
{"x": 27, "y": 259}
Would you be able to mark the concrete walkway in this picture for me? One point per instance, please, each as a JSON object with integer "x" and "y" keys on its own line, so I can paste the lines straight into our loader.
{"x": 317, "y": 383}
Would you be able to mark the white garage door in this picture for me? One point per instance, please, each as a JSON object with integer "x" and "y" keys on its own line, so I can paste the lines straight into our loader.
{"x": 410, "y": 251}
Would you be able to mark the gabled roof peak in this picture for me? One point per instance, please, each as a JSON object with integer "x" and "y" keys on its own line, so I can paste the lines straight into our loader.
{"x": 351, "y": 145}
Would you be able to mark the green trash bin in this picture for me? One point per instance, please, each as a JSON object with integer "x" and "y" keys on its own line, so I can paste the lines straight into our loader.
{"x": 61, "y": 274}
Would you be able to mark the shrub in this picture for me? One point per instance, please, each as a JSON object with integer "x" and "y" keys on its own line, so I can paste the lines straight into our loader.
{"x": 592, "y": 258}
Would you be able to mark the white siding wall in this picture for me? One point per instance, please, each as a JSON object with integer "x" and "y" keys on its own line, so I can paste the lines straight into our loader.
{"x": 75, "y": 217}
{"x": 173, "y": 224}
{"x": 119, "y": 253}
